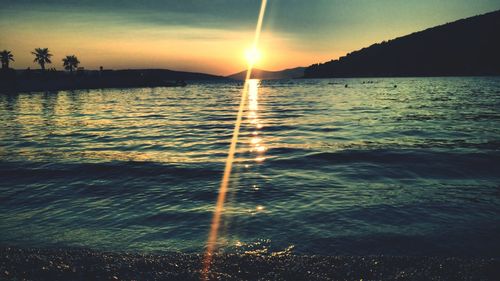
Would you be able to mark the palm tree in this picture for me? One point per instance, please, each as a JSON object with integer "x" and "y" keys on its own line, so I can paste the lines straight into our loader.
{"x": 70, "y": 62}
{"x": 42, "y": 56}
{"x": 6, "y": 58}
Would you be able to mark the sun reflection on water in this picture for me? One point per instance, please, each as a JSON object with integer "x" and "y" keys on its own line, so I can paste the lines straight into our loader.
{"x": 256, "y": 142}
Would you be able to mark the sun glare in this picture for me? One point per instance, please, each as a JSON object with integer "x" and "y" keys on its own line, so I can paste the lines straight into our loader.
{"x": 252, "y": 55}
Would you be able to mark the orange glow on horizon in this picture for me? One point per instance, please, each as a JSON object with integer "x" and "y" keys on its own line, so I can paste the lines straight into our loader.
{"x": 183, "y": 49}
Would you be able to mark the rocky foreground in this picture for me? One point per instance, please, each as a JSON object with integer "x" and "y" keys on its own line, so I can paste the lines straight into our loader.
{"x": 84, "y": 264}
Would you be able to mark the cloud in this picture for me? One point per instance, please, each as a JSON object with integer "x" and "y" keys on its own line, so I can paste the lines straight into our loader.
{"x": 215, "y": 13}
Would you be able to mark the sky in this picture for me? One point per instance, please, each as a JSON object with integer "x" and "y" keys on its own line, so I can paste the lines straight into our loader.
{"x": 211, "y": 35}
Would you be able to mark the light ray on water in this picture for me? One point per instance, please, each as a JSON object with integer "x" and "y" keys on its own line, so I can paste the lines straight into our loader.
{"x": 219, "y": 207}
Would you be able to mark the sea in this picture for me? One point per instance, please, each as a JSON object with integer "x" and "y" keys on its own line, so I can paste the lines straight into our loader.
{"x": 368, "y": 166}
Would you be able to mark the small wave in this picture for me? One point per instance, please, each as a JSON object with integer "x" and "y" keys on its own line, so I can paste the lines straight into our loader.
{"x": 117, "y": 169}
{"x": 404, "y": 162}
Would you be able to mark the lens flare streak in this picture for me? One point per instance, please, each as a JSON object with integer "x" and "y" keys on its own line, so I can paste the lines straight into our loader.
{"x": 219, "y": 207}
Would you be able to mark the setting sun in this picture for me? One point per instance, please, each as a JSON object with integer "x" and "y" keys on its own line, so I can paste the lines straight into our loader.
{"x": 252, "y": 55}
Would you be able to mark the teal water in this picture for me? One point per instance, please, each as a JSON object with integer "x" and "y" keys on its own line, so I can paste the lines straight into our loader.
{"x": 321, "y": 168}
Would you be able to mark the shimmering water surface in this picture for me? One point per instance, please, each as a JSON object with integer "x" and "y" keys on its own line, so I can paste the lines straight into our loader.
{"x": 365, "y": 169}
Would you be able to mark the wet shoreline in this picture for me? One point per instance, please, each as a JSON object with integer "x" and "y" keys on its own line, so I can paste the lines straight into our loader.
{"x": 87, "y": 264}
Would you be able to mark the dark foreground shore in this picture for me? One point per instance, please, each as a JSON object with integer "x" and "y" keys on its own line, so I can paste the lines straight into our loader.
{"x": 84, "y": 264}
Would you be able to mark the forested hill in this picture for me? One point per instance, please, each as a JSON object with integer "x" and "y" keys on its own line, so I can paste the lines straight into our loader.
{"x": 465, "y": 47}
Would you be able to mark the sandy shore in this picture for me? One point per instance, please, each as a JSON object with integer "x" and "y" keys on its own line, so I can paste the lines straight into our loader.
{"x": 84, "y": 264}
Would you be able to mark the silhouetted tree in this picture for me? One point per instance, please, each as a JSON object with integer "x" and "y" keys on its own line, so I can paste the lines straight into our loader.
{"x": 6, "y": 58}
{"x": 42, "y": 56}
{"x": 70, "y": 62}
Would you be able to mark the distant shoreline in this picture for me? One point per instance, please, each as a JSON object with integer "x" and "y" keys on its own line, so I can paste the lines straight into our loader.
{"x": 17, "y": 81}
{"x": 86, "y": 264}
{"x": 402, "y": 76}
{"x": 37, "y": 80}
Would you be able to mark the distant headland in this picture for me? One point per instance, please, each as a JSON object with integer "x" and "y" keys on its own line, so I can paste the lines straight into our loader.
{"x": 76, "y": 77}
{"x": 467, "y": 47}
{"x": 52, "y": 80}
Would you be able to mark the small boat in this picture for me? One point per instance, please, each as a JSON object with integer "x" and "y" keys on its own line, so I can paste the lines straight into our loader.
{"x": 178, "y": 83}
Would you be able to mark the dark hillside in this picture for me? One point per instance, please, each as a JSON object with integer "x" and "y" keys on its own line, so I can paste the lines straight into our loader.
{"x": 464, "y": 47}
{"x": 291, "y": 73}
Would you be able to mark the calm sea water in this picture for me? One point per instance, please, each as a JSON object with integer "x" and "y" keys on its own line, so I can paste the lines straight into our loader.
{"x": 325, "y": 169}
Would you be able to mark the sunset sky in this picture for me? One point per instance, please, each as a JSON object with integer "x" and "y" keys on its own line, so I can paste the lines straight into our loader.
{"x": 211, "y": 36}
